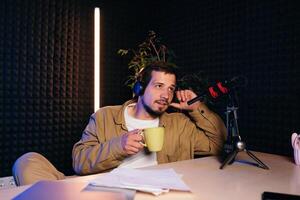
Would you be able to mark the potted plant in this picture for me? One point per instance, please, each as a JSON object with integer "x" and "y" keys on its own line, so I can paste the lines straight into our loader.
{"x": 150, "y": 50}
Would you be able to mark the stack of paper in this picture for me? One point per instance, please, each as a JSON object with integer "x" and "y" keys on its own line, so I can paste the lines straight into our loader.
{"x": 154, "y": 181}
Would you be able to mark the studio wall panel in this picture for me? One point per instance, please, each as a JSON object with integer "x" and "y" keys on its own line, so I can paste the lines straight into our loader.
{"x": 46, "y": 81}
{"x": 255, "y": 39}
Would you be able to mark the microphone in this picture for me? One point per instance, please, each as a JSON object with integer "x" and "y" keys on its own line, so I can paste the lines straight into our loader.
{"x": 221, "y": 88}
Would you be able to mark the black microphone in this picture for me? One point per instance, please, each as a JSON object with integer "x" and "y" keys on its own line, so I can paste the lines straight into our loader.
{"x": 220, "y": 88}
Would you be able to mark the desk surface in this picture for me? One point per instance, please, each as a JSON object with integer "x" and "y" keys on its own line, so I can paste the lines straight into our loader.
{"x": 207, "y": 181}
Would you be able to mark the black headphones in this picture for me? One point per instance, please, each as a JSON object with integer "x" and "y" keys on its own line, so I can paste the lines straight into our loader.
{"x": 144, "y": 76}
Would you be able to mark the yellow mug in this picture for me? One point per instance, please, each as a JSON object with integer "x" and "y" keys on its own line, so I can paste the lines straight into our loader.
{"x": 153, "y": 138}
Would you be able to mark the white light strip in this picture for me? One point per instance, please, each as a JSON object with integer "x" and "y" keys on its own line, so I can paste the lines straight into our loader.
{"x": 97, "y": 59}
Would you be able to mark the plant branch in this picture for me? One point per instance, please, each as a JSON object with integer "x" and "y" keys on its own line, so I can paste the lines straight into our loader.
{"x": 155, "y": 49}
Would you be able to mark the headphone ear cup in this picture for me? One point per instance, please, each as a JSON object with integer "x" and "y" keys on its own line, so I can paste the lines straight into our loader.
{"x": 138, "y": 88}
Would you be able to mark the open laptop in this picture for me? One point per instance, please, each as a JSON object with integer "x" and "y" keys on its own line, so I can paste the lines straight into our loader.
{"x": 63, "y": 190}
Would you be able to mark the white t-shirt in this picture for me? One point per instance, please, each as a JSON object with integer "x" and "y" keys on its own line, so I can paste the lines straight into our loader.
{"x": 142, "y": 158}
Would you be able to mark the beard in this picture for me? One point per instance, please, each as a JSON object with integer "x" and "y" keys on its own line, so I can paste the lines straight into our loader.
{"x": 152, "y": 112}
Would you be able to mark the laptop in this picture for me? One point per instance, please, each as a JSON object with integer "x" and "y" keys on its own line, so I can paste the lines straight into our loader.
{"x": 63, "y": 190}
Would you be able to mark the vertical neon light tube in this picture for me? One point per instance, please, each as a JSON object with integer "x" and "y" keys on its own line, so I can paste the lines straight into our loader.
{"x": 97, "y": 59}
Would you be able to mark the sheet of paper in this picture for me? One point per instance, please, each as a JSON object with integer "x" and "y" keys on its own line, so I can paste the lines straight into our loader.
{"x": 155, "y": 181}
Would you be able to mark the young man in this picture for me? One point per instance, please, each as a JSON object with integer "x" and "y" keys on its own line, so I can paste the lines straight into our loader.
{"x": 111, "y": 138}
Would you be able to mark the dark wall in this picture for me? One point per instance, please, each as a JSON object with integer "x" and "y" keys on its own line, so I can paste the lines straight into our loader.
{"x": 46, "y": 79}
{"x": 256, "y": 39}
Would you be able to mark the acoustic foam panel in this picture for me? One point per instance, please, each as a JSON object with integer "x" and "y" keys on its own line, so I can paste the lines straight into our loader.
{"x": 46, "y": 81}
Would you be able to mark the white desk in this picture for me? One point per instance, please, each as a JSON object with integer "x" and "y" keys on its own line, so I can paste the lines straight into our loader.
{"x": 208, "y": 182}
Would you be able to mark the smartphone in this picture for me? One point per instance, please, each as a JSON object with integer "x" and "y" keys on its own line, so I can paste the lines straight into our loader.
{"x": 279, "y": 196}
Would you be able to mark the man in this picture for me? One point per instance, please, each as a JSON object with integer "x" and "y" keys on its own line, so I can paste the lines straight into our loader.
{"x": 111, "y": 138}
